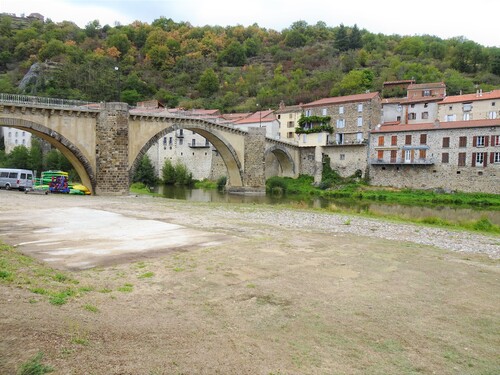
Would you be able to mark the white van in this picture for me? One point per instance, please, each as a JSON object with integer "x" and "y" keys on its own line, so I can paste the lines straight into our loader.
{"x": 21, "y": 179}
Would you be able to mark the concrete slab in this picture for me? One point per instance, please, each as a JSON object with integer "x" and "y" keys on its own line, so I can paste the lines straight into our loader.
{"x": 80, "y": 237}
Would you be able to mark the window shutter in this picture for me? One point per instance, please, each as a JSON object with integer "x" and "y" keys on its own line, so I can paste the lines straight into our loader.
{"x": 474, "y": 158}
{"x": 492, "y": 157}
{"x": 474, "y": 141}
{"x": 485, "y": 160}
{"x": 403, "y": 155}
{"x": 487, "y": 141}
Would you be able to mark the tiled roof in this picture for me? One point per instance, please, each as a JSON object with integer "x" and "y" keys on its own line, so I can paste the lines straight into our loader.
{"x": 419, "y": 86}
{"x": 495, "y": 94}
{"x": 342, "y": 99}
{"x": 390, "y": 128}
{"x": 290, "y": 109}
{"x": 260, "y": 116}
{"x": 402, "y": 82}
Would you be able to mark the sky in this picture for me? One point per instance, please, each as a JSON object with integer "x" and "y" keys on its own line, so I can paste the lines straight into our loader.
{"x": 474, "y": 20}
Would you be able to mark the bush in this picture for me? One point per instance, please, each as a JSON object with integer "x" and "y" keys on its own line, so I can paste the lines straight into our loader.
{"x": 34, "y": 366}
{"x": 221, "y": 183}
{"x": 274, "y": 183}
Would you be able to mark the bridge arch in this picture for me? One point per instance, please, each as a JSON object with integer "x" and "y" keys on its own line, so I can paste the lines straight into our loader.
{"x": 286, "y": 164}
{"x": 225, "y": 149}
{"x": 81, "y": 164}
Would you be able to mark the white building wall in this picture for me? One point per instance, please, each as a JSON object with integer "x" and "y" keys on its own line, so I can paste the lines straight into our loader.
{"x": 16, "y": 137}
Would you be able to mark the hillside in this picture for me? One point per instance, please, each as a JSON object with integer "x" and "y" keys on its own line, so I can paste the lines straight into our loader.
{"x": 229, "y": 68}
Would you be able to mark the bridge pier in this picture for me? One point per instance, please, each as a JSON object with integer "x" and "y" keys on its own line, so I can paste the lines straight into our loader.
{"x": 112, "y": 141}
{"x": 254, "y": 174}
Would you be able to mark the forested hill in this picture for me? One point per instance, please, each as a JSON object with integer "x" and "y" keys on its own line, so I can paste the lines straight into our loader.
{"x": 230, "y": 68}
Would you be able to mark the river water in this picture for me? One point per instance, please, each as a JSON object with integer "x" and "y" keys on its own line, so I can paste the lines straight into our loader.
{"x": 410, "y": 212}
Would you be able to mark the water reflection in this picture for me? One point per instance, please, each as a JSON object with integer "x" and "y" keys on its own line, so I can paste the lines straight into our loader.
{"x": 410, "y": 212}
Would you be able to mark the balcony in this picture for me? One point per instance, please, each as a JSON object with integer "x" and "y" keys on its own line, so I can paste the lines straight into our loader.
{"x": 199, "y": 145}
{"x": 361, "y": 142}
{"x": 401, "y": 161}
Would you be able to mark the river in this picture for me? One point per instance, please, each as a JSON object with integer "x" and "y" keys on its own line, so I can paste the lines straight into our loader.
{"x": 450, "y": 214}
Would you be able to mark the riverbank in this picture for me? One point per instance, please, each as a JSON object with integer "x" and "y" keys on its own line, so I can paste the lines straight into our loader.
{"x": 291, "y": 291}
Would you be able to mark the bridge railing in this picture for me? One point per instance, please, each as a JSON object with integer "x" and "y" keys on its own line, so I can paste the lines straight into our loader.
{"x": 40, "y": 101}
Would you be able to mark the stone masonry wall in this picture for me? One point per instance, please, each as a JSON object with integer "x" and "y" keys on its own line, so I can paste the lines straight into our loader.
{"x": 437, "y": 173}
{"x": 112, "y": 175}
{"x": 254, "y": 175}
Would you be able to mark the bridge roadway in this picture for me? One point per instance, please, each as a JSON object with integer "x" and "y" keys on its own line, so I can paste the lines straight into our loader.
{"x": 106, "y": 141}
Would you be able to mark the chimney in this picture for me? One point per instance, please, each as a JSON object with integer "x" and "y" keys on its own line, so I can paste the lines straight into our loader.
{"x": 480, "y": 92}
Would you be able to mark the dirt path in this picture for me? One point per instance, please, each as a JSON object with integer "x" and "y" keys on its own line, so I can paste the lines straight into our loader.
{"x": 282, "y": 292}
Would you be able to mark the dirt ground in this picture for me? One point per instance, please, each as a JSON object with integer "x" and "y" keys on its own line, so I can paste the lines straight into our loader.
{"x": 249, "y": 297}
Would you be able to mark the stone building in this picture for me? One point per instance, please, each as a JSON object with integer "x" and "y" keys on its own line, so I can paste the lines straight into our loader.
{"x": 14, "y": 137}
{"x": 454, "y": 155}
{"x": 419, "y": 106}
{"x": 288, "y": 118}
{"x": 350, "y": 119}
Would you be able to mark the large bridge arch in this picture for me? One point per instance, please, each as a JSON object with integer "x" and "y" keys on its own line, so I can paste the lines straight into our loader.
{"x": 225, "y": 149}
{"x": 286, "y": 164}
{"x": 75, "y": 156}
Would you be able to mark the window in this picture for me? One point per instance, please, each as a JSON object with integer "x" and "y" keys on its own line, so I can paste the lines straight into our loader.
{"x": 394, "y": 140}
{"x": 359, "y": 137}
{"x": 10, "y": 134}
{"x": 423, "y": 139}
{"x": 360, "y": 121}
{"x": 462, "y": 142}
{"x": 308, "y": 112}
{"x": 492, "y": 104}
{"x": 450, "y": 108}
{"x": 461, "y": 159}
{"x": 445, "y": 158}
{"x": 339, "y": 138}
{"x": 425, "y": 115}
{"x": 479, "y": 141}
{"x": 495, "y": 140}
{"x": 412, "y": 105}
{"x": 426, "y": 105}
{"x": 304, "y": 138}
{"x": 466, "y": 116}
{"x": 381, "y": 140}
{"x": 341, "y": 110}
{"x": 290, "y": 124}
{"x": 446, "y": 142}
{"x": 394, "y": 155}
{"x": 422, "y": 153}
{"x": 17, "y": 134}
{"x": 426, "y": 93}
{"x": 408, "y": 140}
{"x": 324, "y": 112}
{"x": 24, "y": 141}
{"x": 450, "y": 118}
{"x": 164, "y": 140}
{"x": 170, "y": 140}
{"x": 412, "y": 116}
{"x": 193, "y": 142}
{"x": 492, "y": 115}
{"x": 408, "y": 156}
{"x": 289, "y": 135}
{"x": 467, "y": 107}
{"x": 181, "y": 132}
{"x": 480, "y": 159}
{"x": 380, "y": 154}
{"x": 342, "y": 156}
{"x": 290, "y": 115}
{"x": 340, "y": 123}
{"x": 279, "y": 117}
{"x": 360, "y": 107}
{"x": 207, "y": 143}
{"x": 496, "y": 157}
{"x": 181, "y": 141}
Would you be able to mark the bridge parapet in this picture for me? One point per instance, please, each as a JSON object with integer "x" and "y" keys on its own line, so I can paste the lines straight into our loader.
{"x": 38, "y": 101}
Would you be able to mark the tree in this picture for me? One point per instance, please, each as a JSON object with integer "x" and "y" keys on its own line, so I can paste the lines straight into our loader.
{"x": 36, "y": 155}
{"x": 295, "y": 39}
{"x": 341, "y": 39}
{"x": 145, "y": 172}
{"x": 355, "y": 82}
{"x": 233, "y": 55}
{"x": 18, "y": 158}
{"x": 355, "y": 41}
{"x": 168, "y": 172}
{"x": 208, "y": 83}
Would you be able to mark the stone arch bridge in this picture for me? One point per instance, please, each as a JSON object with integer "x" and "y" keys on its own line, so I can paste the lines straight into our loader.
{"x": 105, "y": 142}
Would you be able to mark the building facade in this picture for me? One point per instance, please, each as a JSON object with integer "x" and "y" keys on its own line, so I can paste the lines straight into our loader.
{"x": 350, "y": 119}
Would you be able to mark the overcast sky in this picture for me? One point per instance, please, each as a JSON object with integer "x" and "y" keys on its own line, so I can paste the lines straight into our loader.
{"x": 475, "y": 20}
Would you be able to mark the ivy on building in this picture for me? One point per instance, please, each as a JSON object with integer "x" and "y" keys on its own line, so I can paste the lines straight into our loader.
{"x": 314, "y": 124}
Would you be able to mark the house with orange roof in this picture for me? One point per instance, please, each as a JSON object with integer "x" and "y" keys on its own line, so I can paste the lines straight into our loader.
{"x": 481, "y": 105}
{"x": 420, "y": 105}
{"x": 339, "y": 128}
{"x": 262, "y": 119}
{"x": 451, "y": 155}
{"x": 288, "y": 118}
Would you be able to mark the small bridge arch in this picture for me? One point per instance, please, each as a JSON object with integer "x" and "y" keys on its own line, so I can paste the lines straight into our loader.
{"x": 225, "y": 149}
{"x": 285, "y": 163}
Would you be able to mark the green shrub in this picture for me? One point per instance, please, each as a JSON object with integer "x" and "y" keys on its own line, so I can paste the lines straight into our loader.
{"x": 34, "y": 366}
{"x": 221, "y": 183}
